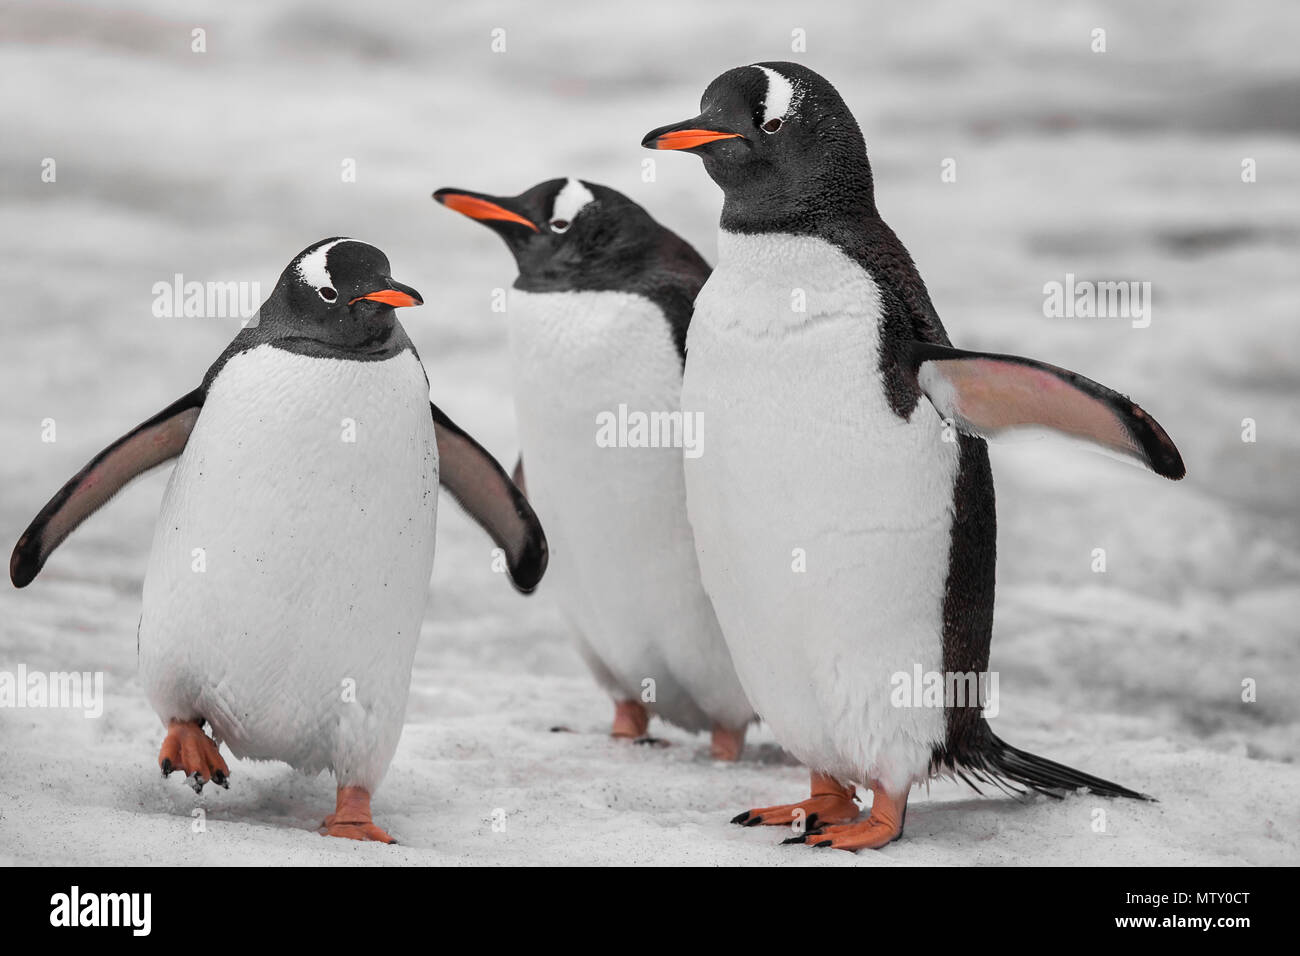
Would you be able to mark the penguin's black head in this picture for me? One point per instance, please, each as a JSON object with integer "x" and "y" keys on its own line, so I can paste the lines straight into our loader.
{"x": 781, "y": 143}
{"x": 339, "y": 291}
{"x": 563, "y": 232}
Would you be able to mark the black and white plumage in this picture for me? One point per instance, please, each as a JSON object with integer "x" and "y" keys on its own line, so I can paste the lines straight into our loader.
{"x": 828, "y": 434}
{"x": 598, "y": 318}
{"x": 290, "y": 564}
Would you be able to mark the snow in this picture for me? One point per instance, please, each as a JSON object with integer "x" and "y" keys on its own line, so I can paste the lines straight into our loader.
{"x": 1125, "y": 165}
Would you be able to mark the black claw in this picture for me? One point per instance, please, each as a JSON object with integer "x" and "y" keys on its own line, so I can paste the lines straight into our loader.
{"x": 811, "y": 822}
{"x": 753, "y": 821}
{"x": 824, "y": 843}
{"x": 648, "y": 741}
{"x": 220, "y": 779}
{"x": 808, "y": 832}
{"x": 740, "y": 817}
{"x": 167, "y": 766}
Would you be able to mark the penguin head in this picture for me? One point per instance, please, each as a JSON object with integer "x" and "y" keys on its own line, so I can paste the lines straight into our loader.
{"x": 339, "y": 290}
{"x": 782, "y": 144}
{"x": 562, "y": 229}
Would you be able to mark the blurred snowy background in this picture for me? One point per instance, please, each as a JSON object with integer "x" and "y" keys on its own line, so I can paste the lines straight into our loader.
{"x": 1121, "y": 165}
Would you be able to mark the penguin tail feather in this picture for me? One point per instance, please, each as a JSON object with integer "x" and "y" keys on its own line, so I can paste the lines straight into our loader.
{"x": 993, "y": 762}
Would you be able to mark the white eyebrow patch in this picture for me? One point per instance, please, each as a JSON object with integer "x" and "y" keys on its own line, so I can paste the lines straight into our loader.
{"x": 570, "y": 200}
{"x": 782, "y": 95}
{"x": 312, "y": 268}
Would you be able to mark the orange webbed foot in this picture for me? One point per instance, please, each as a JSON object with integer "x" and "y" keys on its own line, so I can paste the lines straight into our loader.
{"x": 883, "y": 826}
{"x": 727, "y": 744}
{"x": 355, "y": 831}
{"x": 188, "y": 749}
{"x": 351, "y": 818}
{"x": 831, "y": 802}
{"x": 631, "y": 719}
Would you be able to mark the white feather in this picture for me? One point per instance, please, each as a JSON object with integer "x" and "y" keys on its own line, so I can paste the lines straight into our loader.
{"x": 295, "y": 639}
{"x": 806, "y": 457}
{"x": 623, "y": 563}
{"x": 312, "y": 267}
{"x": 570, "y": 200}
{"x": 782, "y": 95}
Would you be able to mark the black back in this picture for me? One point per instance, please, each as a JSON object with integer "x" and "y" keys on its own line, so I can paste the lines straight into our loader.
{"x": 810, "y": 176}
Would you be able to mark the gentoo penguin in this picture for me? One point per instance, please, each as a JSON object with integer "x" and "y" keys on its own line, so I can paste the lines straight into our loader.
{"x": 843, "y": 427}
{"x": 290, "y": 564}
{"x": 597, "y": 322}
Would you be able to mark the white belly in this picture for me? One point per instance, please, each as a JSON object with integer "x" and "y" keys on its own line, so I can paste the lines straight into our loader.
{"x": 623, "y": 562}
{"x": 290, "y": 566}
{"x": 807, "y": 466}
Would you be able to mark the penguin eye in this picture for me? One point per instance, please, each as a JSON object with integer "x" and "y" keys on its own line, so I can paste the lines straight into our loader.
{"x": 772, "y": 125}
{"x": 560, "y": 225}
{"x": 328, "y": 294}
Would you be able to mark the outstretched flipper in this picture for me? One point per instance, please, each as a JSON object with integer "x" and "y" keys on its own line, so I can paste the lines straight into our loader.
{"x": 160, "y": 439}
{"x": 481, "y": 486}
{"x": 984, "y": 394}
{"x": 517, "y": 476}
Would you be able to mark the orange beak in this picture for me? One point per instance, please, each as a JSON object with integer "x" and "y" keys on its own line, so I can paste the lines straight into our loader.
{"x": 391, "y": 297}
{"x": 477, "y": 208}
{"x": 688, "y": 138}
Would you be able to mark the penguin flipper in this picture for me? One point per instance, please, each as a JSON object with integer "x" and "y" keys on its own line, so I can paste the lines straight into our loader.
{"x": 151, "y": 443}
{"x": 985, "y": 393}
{"x": 517, "y": 476}
{"x": 481, "y": 486}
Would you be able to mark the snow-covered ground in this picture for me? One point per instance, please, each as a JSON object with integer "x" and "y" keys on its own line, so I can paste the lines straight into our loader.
{"x": 1123, "y": 165}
